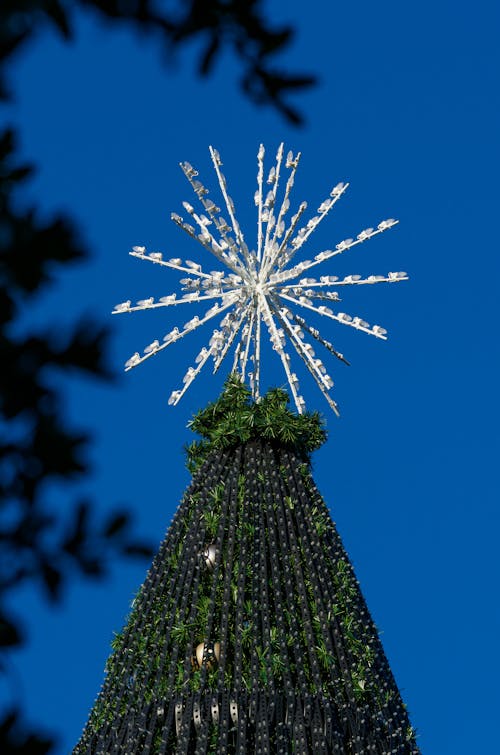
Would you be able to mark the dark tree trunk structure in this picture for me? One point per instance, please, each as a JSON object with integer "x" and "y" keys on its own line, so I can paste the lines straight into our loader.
{"x": 250, "y": 633}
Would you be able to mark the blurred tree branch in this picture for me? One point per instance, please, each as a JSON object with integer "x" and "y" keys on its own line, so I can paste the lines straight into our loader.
{"x": 37, "y": 447}
{"x": 237, "y": 24}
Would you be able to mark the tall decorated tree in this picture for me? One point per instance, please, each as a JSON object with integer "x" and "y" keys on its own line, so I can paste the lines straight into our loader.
{"x": 250, "y": 633}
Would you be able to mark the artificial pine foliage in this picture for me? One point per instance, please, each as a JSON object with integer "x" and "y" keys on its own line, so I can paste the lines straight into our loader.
{"x": 250, "y": 633}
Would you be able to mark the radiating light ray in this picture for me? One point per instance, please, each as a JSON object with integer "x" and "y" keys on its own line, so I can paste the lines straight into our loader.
{"x": 357, "y": 280}
{"x": 236, "y": 358}
{"x": 212, "y": 209}
{"x": 245, "y": 352}
{"x": 229, "y": 202}
{"x": 281, "y": 258}
{"x": 348, "y": 280}
{"x": 292, "y": 163}
{"x": 239, "y": 317}
{"x": 258, "y": 199}
{"x": 202, "y": 222}
{"x": 136, "y": 359}
{"x": 341, "y": 247}
{"x": 285, "y": 359}
{"x": 259, "y": 286}
{"x": 190, "y": 375}
{"x": 273, "y": 180}
{"x": 311, "y": 293}
{"x": 342, "y": 317}
{"x": 323, "y": 381}
{"x": 168, "y": 301}
{"x": 317, "y": 335}
{"x": 174, "y": 264}
{"x": 324, "y": 208}
{"x": 256, "y": 353}
{"x": 205, "y": 241}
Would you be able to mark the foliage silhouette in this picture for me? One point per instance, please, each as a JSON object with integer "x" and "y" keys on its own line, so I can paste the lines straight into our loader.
{"x": 37, "y": 446}
{"x": 237, "y": 24}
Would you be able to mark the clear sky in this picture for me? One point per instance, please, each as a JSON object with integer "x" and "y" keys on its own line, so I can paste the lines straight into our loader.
{"x": 406, "y": 110}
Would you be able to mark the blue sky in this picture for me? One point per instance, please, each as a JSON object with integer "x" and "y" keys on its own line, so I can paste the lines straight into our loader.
{"x": 406, "y": 110}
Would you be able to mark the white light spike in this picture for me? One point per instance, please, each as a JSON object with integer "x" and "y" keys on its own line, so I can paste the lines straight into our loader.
{"x": 275, "y": 339}
{"x": 190, "y": 375}
{"x": 176, "y": 336}
{"x": 342, "y": 317}
{"x": 256, "y": 353}
{"x": 230, "y": 332}
{"x": 284, "y": 254}
{"x": 170, "y": 300}
{"x": 246, "y": 349}
{"x": 207, "y": 241}
{"x": 317, "y": 335}
{"x": 275, "y": 249}
{"x": 314, "y": 366}
{"x": 258, "y": 199}
{"x": 341, "y": 247}
{"x": 174, "y": 264}
{"x": 229, "y": 202}
{"x": 323, "y": 210}
{"x": 273, "y": 180}
{"x": 211, "y": 208}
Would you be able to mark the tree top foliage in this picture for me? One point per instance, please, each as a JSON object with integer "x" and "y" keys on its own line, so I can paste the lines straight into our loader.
{"x": 234, "y": 418}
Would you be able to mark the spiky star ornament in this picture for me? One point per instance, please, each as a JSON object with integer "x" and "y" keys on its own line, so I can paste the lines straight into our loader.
{"x": 258, "y": 286}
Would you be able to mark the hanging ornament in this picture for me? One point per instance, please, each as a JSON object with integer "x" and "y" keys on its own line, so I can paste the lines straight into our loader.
{"x": 207, "y": 654}
{"x": 209, "y": 555}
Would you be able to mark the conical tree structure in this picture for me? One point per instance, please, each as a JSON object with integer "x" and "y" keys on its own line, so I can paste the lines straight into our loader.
{"x": 250, "y": 633}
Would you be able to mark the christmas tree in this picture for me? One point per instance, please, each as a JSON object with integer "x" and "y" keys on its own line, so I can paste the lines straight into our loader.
{"x": 250, "y": 633}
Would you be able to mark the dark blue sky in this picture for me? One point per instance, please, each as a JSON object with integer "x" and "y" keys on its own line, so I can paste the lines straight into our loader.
{"x": 407, "y": 111}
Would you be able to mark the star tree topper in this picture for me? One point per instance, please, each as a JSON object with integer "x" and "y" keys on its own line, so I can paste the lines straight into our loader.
{"x": 258, "y": 290}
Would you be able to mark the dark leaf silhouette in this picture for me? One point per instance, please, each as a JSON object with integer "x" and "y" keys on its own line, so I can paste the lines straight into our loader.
{"x": 208, "y": 58}
{"x": 117, "y": 524}
{"x": 9, "y": 633}
{"x": 57, "y": 14}
{"x": 52, "y": 580}
{"x": 217, "y": 24}
{"x": 36, "y": 546}
{"x": 15, "y": 740}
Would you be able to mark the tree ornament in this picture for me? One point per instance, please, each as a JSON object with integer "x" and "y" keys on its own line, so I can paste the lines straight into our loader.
{"x": 209, "y": 556}
{"x": 207, "y": 654}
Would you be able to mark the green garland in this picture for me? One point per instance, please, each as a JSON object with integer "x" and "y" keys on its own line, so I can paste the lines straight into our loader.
{"x": 234, "y": 419}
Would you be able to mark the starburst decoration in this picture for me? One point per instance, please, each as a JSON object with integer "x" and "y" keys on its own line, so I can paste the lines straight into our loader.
{"x": 258, "y": 290}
